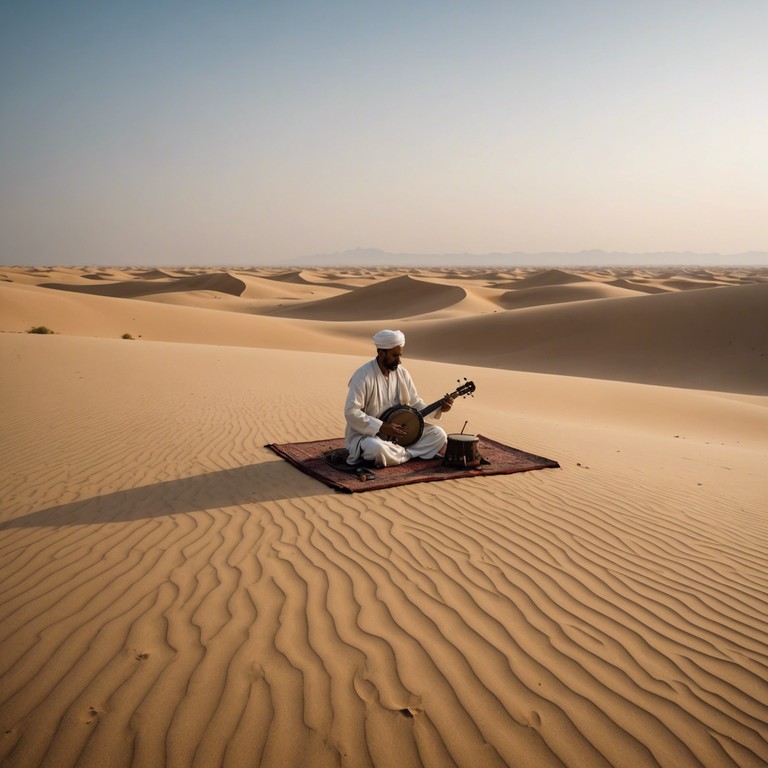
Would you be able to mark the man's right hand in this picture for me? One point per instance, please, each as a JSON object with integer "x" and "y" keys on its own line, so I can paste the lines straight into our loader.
{"x": 389, "y": 429}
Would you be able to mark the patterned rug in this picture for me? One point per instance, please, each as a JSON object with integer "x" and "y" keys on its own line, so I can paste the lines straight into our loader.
{"x": 314, "y": 458}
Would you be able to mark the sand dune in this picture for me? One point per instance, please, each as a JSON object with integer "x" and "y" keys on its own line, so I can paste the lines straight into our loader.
{"x": 97, "y": 275}
{"x": 300, "y": 283}
{"x": 394, "y": 298}
{"x": 546, "y": 278}
{"x": 711, "y": 339}
{"x": 294, "y": 276}
{"x": 155, "y": 274}
{"x": 669, "y": 339}
{"x": 689, "y": 284}
{"x": 557, "y": 294}
{"x": 27, "y": 276}
{"x": 172, "y": 593}
{"x": 23, "y": 307}
{"x": 634, "y": 285}
{"x": 221, "y": 282}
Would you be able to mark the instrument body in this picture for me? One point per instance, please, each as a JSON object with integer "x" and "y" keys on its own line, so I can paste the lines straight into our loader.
{"x": 462, "y": 451}
{"x": 406, "y": 417}
{"x": 413, "y": 419}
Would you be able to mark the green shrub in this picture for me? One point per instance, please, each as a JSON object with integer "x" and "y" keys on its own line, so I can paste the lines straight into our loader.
{"x": 40, "y": 329}
{"x": 127, "y": 336}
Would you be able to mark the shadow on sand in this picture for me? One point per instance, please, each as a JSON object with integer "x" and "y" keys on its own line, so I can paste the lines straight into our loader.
{"x": 254, "y": 483}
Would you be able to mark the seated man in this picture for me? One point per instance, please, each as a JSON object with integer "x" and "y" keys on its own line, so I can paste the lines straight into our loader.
{"x": 380, "y": 384}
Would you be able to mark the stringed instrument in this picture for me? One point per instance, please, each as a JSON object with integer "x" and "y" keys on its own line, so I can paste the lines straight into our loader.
{"x": 413, "y": 420}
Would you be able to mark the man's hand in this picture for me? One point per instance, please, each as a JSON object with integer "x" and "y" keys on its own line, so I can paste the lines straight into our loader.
{"x": 389, "y": 429}
{"x": 447, "y": 403}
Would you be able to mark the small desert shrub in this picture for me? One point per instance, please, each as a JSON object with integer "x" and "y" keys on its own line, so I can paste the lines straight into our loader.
{"x": 127, "y": 336}
{"x": 40, "y": 329}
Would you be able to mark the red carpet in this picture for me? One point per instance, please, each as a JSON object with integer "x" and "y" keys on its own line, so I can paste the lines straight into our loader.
{"x": 499, "y": 459}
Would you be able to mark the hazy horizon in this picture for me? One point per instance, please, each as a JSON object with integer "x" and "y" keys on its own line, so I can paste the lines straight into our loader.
{"x": 254, "y": 133}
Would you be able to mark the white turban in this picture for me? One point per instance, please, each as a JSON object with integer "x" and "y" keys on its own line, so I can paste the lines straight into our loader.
{"x": 389, "y": 339}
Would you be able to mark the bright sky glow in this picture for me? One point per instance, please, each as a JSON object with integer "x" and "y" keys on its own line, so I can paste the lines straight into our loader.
{"x": 253, "y": 132}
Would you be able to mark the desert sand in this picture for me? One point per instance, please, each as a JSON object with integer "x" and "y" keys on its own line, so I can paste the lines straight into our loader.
{"x": 174, "y": 594}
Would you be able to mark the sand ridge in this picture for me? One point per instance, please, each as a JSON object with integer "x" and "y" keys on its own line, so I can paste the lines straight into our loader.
{"x": 519, "y": 298}
{"x": 396, "y": 297}
{"x": 222, "y": 282}
{"x": 172, "y": 593}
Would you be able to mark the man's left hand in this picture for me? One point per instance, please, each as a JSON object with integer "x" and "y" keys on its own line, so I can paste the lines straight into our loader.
{"x": 447, "y": 403}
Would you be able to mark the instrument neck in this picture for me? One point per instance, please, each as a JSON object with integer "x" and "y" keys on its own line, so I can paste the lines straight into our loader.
{"x": 434, "y": 406}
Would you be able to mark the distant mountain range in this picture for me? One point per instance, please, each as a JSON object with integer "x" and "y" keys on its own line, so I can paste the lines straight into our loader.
{"x": 374, "y": 257}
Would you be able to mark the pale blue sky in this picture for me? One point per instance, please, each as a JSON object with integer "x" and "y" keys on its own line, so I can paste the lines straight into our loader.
{"x": 176, "y": 132}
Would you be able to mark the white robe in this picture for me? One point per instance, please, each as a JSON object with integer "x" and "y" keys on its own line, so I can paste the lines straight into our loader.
{"x": 370, "y": 394}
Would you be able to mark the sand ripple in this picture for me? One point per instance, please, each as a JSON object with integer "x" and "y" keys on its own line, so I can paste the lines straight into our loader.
{"x": 171, "y": 594}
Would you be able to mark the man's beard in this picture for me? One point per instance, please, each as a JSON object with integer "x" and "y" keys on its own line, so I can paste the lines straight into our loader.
{"x": 392, "y": 366}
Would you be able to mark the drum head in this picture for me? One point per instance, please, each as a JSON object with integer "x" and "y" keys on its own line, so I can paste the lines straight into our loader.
{"x": 462, "y": 451}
